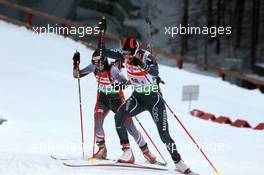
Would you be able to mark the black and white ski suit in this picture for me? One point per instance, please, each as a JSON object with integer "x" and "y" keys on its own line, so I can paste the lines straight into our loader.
{"x": 144, "y": 100}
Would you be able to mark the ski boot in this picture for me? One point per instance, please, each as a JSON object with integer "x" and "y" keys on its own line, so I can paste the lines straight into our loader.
{"x": 127, "y": 156}
{"x": 182, "y": 167}
{"x": 102, "y": 152}
{"x": 149, "y": 156}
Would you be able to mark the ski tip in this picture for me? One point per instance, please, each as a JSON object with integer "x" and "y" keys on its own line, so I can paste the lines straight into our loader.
{"x": 218, "y": 173}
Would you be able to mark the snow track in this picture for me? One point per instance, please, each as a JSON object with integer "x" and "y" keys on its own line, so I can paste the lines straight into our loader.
{"x": 39, "y": 98}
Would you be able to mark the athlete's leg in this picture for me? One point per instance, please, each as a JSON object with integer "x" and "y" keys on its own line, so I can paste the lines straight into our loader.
{"x": 132, "y": 130}
{"x": 129, "y": 125}
{"x": 100, "y": 113}
{"x": 99, "y": 119}
{"x": 130, "y": 108}
{"x": 159, "y": 115}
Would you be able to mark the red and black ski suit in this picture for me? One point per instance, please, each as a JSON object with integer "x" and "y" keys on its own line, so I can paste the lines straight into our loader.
{"x": 110, "y": 101}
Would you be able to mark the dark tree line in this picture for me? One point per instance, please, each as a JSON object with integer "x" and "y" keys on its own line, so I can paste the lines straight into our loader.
{"x": 255, "y": 31}
{"x": 184, "y": 22}
{"x": 244, "y": 16}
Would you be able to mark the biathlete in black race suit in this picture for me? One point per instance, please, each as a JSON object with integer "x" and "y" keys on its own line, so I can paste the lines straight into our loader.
{"x": 142, "y": 71}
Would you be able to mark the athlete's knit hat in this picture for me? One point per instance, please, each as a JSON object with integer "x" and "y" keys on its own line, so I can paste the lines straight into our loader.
{"x": 130, "y": 45}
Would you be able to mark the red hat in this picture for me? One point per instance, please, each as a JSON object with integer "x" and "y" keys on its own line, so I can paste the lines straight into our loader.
{"x": 130, "y": 45}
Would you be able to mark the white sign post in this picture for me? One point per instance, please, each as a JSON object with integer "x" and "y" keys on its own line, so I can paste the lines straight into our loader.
{"x": 190, "y": 93}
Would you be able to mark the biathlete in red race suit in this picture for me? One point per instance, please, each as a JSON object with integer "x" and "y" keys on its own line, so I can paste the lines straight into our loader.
{"x": 111, "y": 97}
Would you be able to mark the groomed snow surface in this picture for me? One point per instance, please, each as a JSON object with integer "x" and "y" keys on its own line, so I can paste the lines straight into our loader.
{"x": 39, "y": 98}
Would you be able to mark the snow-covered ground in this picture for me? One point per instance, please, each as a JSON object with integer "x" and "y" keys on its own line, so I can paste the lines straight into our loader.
{"x": 39, "y": 98}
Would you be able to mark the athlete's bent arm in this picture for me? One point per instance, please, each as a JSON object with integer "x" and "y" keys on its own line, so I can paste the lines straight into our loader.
{"x": 83, "y": 72}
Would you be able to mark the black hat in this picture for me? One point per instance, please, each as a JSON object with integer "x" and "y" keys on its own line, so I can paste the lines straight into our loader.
{"x": 130, "y": 45}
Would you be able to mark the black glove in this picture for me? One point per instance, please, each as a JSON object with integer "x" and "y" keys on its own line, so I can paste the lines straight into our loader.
{"x": 159, "y": 80}
{"x": 76, "y": 59}
{"x": 102, "y": 24}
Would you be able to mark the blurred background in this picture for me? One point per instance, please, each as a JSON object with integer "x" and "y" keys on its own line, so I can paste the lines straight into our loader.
{"x": 237, "y": 58}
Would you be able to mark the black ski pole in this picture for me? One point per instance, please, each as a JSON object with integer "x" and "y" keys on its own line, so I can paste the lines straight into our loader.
{"x": 150, "y": 28}
{"x": 80, "y": 104}
{"x": 101, "y": 42}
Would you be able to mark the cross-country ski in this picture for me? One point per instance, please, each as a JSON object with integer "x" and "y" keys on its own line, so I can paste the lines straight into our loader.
{"x": 114, "y": 164}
